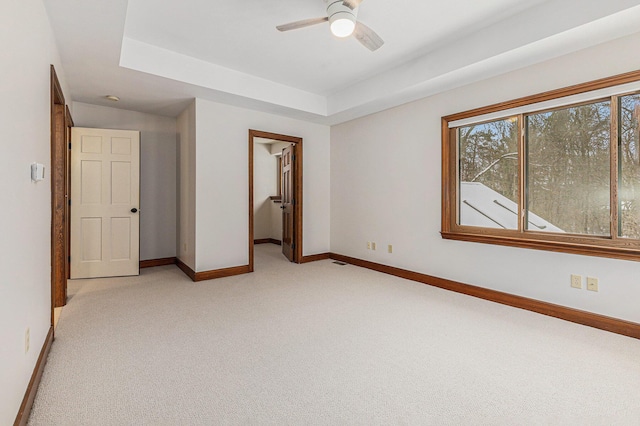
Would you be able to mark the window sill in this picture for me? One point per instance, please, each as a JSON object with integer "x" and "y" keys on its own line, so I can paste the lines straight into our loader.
{"x": 601, "y": 247}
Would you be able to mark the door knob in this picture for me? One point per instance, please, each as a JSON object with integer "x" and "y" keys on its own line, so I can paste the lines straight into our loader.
{"x": 134, "y": 210}
{"x": 282, "y": 207}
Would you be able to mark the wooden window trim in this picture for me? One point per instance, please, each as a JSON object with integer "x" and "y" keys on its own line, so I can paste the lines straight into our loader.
{"x": 609, "y": 246}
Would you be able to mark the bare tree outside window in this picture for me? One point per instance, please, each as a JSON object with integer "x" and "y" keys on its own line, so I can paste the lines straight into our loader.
{"x": 629, "y": 168}
{"x": 568, "y": 167}
{"x": 489, "y": 158}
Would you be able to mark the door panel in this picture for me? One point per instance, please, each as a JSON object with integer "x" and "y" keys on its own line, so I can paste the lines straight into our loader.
{"x": 105, "y": 182}
{"x": 288, "y": 202}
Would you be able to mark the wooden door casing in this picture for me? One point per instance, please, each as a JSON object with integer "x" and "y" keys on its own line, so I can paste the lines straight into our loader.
{"x": 297, "y": 191}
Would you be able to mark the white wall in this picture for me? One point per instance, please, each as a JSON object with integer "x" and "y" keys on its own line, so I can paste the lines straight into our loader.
{"x": 186, "y": 220}
{"x": 222, "y": 182}
{"x": 265, "y": 184}
{"x": 28, "y": 49}
{"x": 385, "y": 187}
{"x": 276, "y": 221}
{"x": 157, "y": 171}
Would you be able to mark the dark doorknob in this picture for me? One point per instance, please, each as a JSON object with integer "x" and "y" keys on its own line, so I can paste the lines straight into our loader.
{"x": 133, "y": 210}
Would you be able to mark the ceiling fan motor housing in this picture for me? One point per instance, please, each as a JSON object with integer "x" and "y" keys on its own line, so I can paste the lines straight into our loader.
{"x": 342, "y": 18}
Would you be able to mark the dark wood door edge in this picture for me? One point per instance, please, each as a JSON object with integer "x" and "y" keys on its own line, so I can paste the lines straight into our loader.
{"x": 32, "y": 389}
{"x": 614, "y": 325}
{"x": 158, "y": 262}
{"x": 315, "y": 257}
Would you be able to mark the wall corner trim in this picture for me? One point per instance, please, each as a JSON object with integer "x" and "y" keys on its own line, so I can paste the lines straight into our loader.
{"x": 213, "y": 274}
{"x": 186, "y": 269}
{"x": 602, "y": 322}
{"x": 32, "y": 389}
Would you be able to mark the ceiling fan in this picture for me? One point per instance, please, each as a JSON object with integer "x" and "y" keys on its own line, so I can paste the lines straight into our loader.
{"x": 341, "y": 14}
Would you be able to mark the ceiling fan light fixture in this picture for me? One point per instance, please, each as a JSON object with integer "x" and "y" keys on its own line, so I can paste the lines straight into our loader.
{"x": 343, "y": 27}
{"x": 342, "y": 18}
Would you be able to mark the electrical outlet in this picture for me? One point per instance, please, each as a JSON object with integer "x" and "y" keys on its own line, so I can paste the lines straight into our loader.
{"x": 592, "y": 284}
{"x": 373, "y": 246}
{"x": 576, "y": 281}
{"x": 27, "y": 338}
{"x": 390, "y": 248}
{"x": 368, "y": 245}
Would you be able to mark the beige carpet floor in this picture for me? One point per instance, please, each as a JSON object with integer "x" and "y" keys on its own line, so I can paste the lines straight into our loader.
{"x": 323, "y": 344}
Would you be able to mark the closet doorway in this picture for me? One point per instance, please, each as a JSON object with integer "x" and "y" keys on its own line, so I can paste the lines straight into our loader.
{"x": 287, "y": 197}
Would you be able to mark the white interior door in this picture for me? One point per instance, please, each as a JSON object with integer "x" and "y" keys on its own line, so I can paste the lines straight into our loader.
{"x": 105, "y": 194}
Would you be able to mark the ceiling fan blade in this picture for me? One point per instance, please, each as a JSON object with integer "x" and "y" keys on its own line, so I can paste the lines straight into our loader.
{"x": 352, "y": 4}
{"x": 301, "y": 24}
{"x": 367, "y": 37}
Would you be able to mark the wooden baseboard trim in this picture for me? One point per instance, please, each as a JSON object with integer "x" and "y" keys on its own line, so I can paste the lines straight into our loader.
{"x": 32, "y": 389}
{"x": 315, "y": 257}
{"x": 186, "y": 269}
{"x": 221, "y": 273}
{"x": 614, "y": 325}
{"x": 213, "y": 274}
{"x": 267, "y": 241}
{"x": 158, "y": 262}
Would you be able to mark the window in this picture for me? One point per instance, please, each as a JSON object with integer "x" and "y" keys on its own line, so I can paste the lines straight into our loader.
{"x": 557, "y": 171}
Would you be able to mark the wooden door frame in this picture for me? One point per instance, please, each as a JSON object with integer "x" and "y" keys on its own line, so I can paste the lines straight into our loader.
{"x": 59, "y": 203}
{"x": 297, "y": 229}
{"x": 68, "y": 126}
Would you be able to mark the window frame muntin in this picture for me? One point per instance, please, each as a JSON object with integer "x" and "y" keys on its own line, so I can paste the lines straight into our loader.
{"x": 610, "y": 246}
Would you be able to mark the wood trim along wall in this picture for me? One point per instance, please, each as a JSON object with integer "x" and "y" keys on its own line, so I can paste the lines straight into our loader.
{"x": 213, "y": 274}
{"x": 297, "y": 196}
{"x": 158, "y": 262}
{"x": 32, "y": 389}
{"x": 267, "y": 241}
{"x": 315, "y": 257}
{"x": 186, "y": 269}
{"x": 602, "y": 322}
{"x": 222, "y": 273}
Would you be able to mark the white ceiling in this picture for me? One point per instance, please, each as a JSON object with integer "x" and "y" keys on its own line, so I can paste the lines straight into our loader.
{"x": 157, "y": 55}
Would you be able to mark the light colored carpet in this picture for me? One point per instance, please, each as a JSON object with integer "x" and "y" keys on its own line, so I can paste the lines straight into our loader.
{"x": 323, "y": 344}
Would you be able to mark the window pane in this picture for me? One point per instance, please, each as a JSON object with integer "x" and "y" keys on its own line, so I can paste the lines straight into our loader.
{"x": 488, "y": 174}
{"x": 568, "y": 170}
{"x": 629, "y": 163}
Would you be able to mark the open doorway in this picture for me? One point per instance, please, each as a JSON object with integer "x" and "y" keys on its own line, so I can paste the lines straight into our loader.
{"x": 275, "y": 218}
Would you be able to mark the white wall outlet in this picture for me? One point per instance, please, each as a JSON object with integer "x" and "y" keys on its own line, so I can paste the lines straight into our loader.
{"x": 576, "y": 281}
{"x": 368, "y": 245}
{"x": 27, "y": 338}
{"x": 592, "y": 284}
{"x": 390, "y": 248}
{"x": 373, "y": 246}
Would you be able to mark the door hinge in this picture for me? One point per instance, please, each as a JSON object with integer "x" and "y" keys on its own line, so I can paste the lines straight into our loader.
{"x": 69, "y": 145}
{"x": 293, "y": 158}
{"x": 69, "y": 259}
{"x": 69, "y": 202}
{"x": 293, "y": 245}
{"x": 293, "y": 201}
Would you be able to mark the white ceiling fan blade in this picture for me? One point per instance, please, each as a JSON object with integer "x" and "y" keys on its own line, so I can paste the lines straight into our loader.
{"x": 301, "y": 24}
{"x": 367, "y": 37}
{"x": 352, "y": 4}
